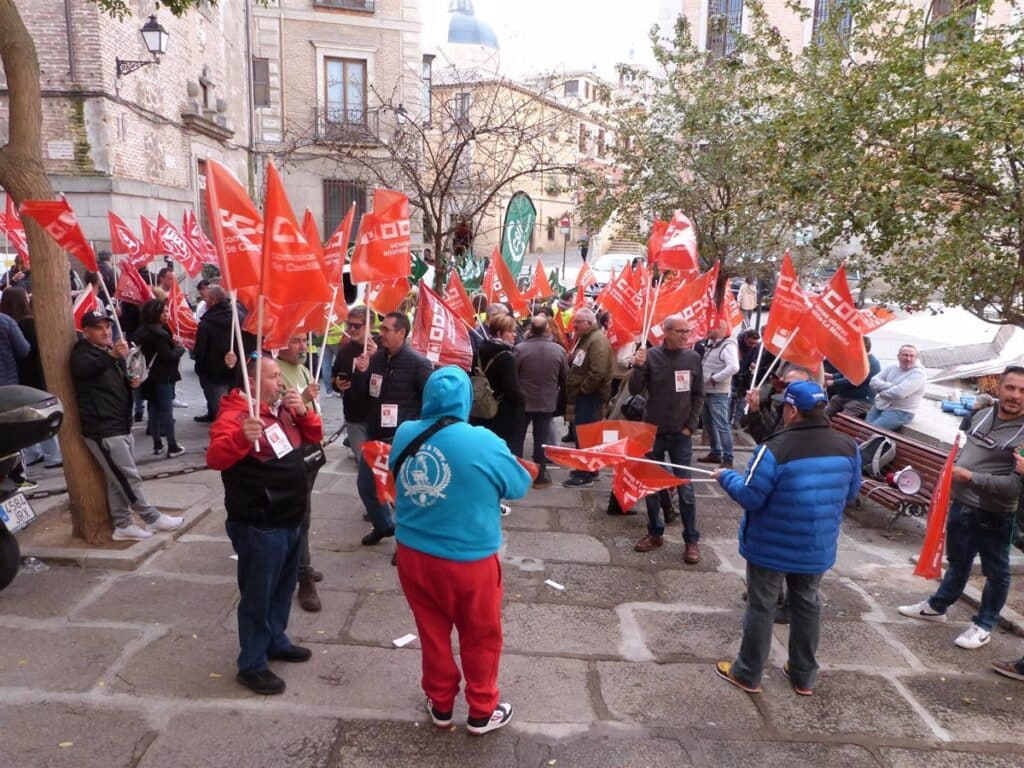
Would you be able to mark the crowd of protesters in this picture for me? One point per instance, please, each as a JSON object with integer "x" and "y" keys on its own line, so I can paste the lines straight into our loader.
{"x": 556, "y": 362}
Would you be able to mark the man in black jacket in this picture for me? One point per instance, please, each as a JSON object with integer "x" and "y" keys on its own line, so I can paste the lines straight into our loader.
{"x": 673, "y": 378}
{"x": 104, "y": 394}
{"x": 213, "y": 340}
{"x": 396, "y": 377}
{"x": 351, "y": 383}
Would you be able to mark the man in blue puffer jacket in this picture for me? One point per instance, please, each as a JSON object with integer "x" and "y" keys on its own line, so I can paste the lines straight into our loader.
{"x": 796, "y": 487}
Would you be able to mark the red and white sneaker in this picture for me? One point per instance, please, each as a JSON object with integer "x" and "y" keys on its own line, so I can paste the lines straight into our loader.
{"x": 500, "y": 717}
{"x": 437, "y": 717}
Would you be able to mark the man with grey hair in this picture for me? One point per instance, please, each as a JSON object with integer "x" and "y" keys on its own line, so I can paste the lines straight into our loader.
{"x": 213, "y": 341}
{"x": 898, "y": 391}
{"x": 673, "y": 378}
{"x": 541, "y": 368}
{"x": 588, "y": 384}
{"x": 721, "y": 362}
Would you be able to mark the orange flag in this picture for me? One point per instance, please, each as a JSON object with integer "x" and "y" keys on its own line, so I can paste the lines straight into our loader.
{"x": 182, "y": 320}
{"x": 634, "y": 480}
{"x": 337, "y": 248}
{"x": 789, "y": 307}
{"x": 730, "y": 311}
{"x": 873, "y": 318}
{"x": 611, "y": 430}
{"x": 655, "y": 239}
{"x": 236, "y": 226}
{"x": 376, "y": 454}
{"x": 540, "y": 286}
{"x": 456, "y": 297}
{"x": 311, "y": 232}
{"x": 678, "y": 249}
{"x": 624, "y": 301}
{"x": 929, "y": 564}
{"x": 291, "y": 271}
{"x": 60, "y": 223}
{"x": 386, "y": 296}
{"x": 123, "y": 242}
{"x": 15, "y": 230}
{"x": 438, "y": 334}
{"x": 500, "y": 287}
{"x": 383, "y": 244}
{"x": 834, "y": 327}
{"x": 172, "y": 242}
{"x": 687, "y": 299}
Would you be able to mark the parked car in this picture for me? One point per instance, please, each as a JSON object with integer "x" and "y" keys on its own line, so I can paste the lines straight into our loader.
{"x": 605, "y": 266}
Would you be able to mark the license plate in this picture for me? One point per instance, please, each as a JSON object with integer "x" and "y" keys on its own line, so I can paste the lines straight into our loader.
{"x": 16, "y": 513}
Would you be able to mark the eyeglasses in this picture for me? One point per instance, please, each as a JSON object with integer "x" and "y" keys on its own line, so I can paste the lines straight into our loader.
{"x": 355, "y": 326}
{"x": 684, "y": 331}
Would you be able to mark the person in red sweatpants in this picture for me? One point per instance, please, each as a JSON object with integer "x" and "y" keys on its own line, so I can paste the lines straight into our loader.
{"x": 450, "y": 478}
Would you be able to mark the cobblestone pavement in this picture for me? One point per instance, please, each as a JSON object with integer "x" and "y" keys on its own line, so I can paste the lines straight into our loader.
{"x": 136, "y": 668}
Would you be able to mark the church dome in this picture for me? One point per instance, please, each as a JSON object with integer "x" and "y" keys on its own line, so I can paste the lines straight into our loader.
{"x": 465, "y": 28}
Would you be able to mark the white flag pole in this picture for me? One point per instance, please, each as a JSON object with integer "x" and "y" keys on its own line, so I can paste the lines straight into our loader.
{"x": 236, "y": 331}
{"x": 593, "y": 452}
{"x": 110, "y": 301}
{"x": 778, "y": 357}
{"x": 327, "y": 329}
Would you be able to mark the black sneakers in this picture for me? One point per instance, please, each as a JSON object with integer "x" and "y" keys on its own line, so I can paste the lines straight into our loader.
{"x": 375, "y": 536}
{"x": 263, "y": 682}
{"x": 437, "y": 717}
{"x": 500, "y": 717}
{"x": 295, "y": 654}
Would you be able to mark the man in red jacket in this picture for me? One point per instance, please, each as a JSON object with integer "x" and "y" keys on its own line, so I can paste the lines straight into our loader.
{"x": 261, "y": 463}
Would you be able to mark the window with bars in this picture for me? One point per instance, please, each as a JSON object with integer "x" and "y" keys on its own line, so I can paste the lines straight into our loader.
{"x": 260, "y": 82}
{"x": 952, "y": 20}
{"x": 345, "y": 91}
{"x": 725, "y": 21}
{"x": 339, "y": 195}
{"x": 428, "y": 77}
{"x": 572, "y": 87}
{"x": 831, "y": 17}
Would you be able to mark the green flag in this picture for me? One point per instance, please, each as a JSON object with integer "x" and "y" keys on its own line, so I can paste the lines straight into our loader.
{"x": 471, "y": 272}
{"x": 520, "y": 217}
{"x": 419, "y": 269}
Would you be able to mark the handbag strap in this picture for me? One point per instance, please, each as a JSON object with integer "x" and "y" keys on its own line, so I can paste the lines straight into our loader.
{"x": 421, "y": 438}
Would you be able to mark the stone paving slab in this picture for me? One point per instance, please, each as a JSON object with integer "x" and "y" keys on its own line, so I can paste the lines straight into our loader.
{"x": 326, "y": 625}
{"x": 668, "y": 556}
{"x": 558, "y": 547}
{"x": 55, "y": 735}
{"x": 601, "y": 585}
{"x": 243, "y": 739}
{"x": 599, "y": 523}
{"x": 933, "y": 646}
{"x": 379, "y": 619}
{"x": 844, "y": 703}
{"x": 157, "y": 599}
{"x": 757, "y": 754}
{"x": 974, "y": 708}
{"x": 206, "y": 558}
{"x": 564, "y": 630}
{"x": 545, "y": 690}
{"x": 65, "y": 658}
{"x": 691, "y": 637}
{"x": 175, "y": 493}
{"x": 186, "y": 665}
{"x": 527, "y": 519}
{"x": 840, "y": 601}
{"x": 408, "y": 745}
{"x": 649, "y": 752}
{"x": 676, "y": 696}
{"x": 850, "y": 642}
{"x": 907, "y": 758}
{"x": 62, "y": 586}
{"x": 367, "y": 569}
{"x": 710, "y": 590}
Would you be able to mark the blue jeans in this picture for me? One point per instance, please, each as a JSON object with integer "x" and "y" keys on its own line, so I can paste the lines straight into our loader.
{"x": 763, "y": 587}
{"x": 48, "y": 450}
{"x": 587, "y": 410}
{"x": 969, "y": 532}
{"x": 382, "y": 516}
{"x": 679, "y": 448}
{"x": 329, "y": 352}
{"x": 213, "y": 394}
{"x": 356, "y": 437}
{"x": 890, "y": 418}
{"x": 716, "y": 422}
{"x": 161, "y": 414}
{"x": 268, "y": 570}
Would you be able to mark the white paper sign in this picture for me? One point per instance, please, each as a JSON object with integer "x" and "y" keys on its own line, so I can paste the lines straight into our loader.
{"x": 388, "y": 415}
{"x": 609, "y": 435}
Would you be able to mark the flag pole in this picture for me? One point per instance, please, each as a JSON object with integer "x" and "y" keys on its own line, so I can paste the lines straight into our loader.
{"x": 369, "y": 318}
{"x": 778, "y": 357}
{"x": 650, "y": 316}
{"x": 592, "y": 452}
{"x": 259, "y": 347}
{"x": 236, "y": 338}
{"x": 327, "y": 328}
{"x": 110, "y": 301}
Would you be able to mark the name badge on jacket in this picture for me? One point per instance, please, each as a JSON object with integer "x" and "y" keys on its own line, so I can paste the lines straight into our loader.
{"x": 278, "y": 440}
{"x": 375, "y": 382}
{"x": 682, "y": 381}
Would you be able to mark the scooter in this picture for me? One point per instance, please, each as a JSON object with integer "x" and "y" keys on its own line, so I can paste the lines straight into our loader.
{"x": 27, "y": 416}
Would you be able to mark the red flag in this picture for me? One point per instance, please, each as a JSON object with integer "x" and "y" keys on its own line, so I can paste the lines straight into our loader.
{"x": 834, "y": 327}
{"x": 929, "y": 564}
{"x": 384, "y": 297}
{"x": 291, "y": 271}
{"x": 280, "y": 321}
{"x": 439, "y": 334}
{"x": 337, "y": 248}
{"x": 149, "y": 238}
{"x": 586, "y": 459}
{"x": 623, "y": 302}
{"x": 585, "y": 278}
{"x": 172, "y": 242}
{"x": 633, "y": 480}
{"x": 57, "y": 218}
{"x": 182, "y": 320}
{"x": 500, "y": 287}
{"x": 456, "y": 297}
{"x": 873, "y": 318}
{"x": 789, "y": 306}
{"x": 689, "y": 300}
{"x": 11, "y": 224}
{"x": 730, "y": 311}
{"x": 311, "y": 232}
{"x": 131, "y": 288}
{"x": 124, "y": 243}
{"x": 84, "y": 302}
{"x": 376, "y": 455}
{"x": 540, "y": 286}
{"x": 383, "y": 243}
{"x": 655, "y": 239}
{"x": 612, "y": 430}
{"x": 198, "y": 239}
{"x": 237, "y": 228}
{"x": 532, "y": 469}
{"x": 678, "y": 250}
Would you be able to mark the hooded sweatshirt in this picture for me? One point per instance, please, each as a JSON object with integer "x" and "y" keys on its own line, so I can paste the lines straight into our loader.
{"x": 449, "y": 491}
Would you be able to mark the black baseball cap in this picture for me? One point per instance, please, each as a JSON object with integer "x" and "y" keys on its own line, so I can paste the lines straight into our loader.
{"x": 94, "y": 318}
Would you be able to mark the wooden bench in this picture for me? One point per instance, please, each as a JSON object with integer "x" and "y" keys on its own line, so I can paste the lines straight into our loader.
{"x": 924, "y": 459}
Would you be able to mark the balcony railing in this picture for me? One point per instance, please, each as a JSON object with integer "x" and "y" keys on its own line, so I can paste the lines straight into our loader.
{"x": 347, "y": 126}
{"x": 349, "y": 5}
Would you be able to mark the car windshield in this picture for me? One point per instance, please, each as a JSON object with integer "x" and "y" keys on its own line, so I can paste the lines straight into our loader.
{"x": 611, "y": 262}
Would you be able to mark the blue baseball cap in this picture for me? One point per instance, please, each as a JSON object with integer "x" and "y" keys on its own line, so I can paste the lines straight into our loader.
{"x": 804, "y": 395}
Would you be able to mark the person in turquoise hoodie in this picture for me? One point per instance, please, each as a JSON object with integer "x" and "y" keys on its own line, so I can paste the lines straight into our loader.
{"x": 448, "y": 528}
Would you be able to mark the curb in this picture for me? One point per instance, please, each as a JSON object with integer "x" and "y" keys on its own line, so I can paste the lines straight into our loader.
{"x": 127, "y": 559}
{"x": 1008, "y": 618}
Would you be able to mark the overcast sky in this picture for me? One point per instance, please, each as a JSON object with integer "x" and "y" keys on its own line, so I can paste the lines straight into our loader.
{"x": 555, "y": 34}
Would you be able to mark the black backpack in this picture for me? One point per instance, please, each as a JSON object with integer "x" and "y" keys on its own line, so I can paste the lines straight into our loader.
{"x": 876, "y": 453}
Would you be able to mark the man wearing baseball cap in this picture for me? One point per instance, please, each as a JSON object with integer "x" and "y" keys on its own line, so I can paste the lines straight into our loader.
{"x": 793, "y": 494}
{"x": 103, "y": 390}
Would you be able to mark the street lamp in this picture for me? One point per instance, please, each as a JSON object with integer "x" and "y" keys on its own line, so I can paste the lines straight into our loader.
{"x": 155, "y": 37}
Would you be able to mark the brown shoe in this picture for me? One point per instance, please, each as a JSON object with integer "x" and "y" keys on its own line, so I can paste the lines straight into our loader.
{"x": 692, "y": 554}
{"x": 647, "y": 543}
{"x": 309, "y": 600}
{"x": 711, "y": 458}
{"x": 725, "y": 465}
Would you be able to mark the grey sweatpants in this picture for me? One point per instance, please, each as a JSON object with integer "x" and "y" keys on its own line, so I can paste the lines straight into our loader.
{"x": 116, "y": 457}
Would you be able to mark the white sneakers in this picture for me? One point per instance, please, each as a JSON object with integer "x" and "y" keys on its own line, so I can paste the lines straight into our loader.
{"x": 921, "y": 610}
{"x": 131, "y": 532}
{"x": 973, "y": 638}
{"x": 165, "y": 523}
{"x": 500, "y": 717}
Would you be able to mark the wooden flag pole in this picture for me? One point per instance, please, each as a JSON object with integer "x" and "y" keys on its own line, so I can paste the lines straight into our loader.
{"x": 778, "y": 357}
{"x": 236, "y": 332}
{"x": 327, "y": 329}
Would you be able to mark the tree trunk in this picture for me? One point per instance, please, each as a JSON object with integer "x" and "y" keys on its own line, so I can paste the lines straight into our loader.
{"x": 23, "y": 176}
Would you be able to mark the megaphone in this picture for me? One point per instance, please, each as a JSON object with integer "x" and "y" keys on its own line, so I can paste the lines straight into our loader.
{"x": 906, "y": 481}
